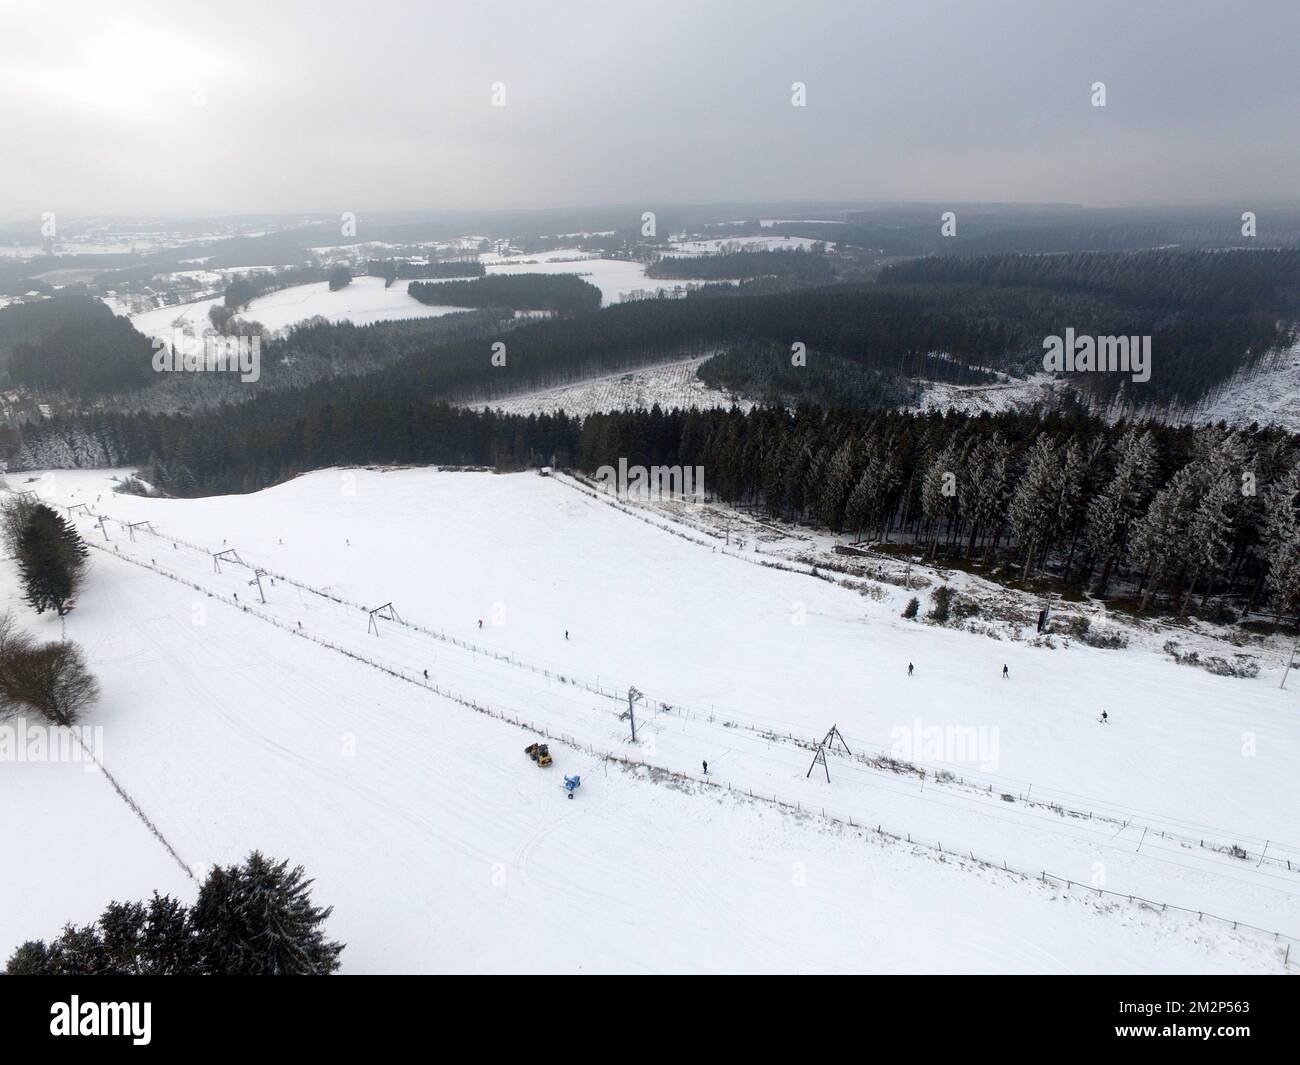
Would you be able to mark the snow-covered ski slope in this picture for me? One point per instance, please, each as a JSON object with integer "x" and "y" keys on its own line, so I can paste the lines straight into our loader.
{"x": 443, "y": 848}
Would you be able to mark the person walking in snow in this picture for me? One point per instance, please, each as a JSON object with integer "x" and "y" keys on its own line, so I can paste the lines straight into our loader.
{"x": 909, "y": 669}
{"x": 480, "y": 623}
{"x": 566, "y": 634}
{"x": 1104, "y": 718}
{"x": 1004, "y": 671}
{"x": 706, "y": 769}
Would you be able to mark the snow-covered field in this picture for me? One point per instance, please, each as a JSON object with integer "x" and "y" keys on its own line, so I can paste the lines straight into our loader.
{"x": 1269, "y": 396}
{"x": 364, "y": 301}
{"x": 671, "y": 385}
{"x": 443, "y": 848}
{"x": 617, "y": 279}
{"x": 720, "y": 245}
{"x": 1008, "y": 395}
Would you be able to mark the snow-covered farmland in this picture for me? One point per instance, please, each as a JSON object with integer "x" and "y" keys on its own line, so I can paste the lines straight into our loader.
{"x": 364, "y": 301}
{"x": 443, "y": 848}
{"x": 617, "y": 279}
{"x": 719, "y": 245}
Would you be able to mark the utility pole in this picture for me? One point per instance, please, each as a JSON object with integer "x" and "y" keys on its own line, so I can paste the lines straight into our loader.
{"x": 257, "y": 579}
{"x": 632, "y": 696}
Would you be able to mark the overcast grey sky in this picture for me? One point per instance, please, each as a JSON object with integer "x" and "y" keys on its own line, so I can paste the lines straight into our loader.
{"x": 280, "y": 105}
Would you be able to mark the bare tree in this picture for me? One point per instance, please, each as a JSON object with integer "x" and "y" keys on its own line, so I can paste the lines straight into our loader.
{"x": 51, "y": 678}
{"x": 15, "y": 513}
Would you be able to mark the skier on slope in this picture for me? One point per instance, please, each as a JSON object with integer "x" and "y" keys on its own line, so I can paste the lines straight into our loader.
{"x": 909, "y": 669}
{"x": 706, "y": 769}
{"x": 1004, "y": 671}
{"x": 480, "y": 623}
{"x": 1104, "y": 718}
{"x": 566, "y": 634}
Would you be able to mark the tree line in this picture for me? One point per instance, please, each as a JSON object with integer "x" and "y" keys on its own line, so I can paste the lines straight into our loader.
{"x": 808, "y": 267}
{"x": 1168, "y": 516}
{"x": 562, "y": 293}
{"x": 392, "y": 270}
{"x": 252, "y": 919}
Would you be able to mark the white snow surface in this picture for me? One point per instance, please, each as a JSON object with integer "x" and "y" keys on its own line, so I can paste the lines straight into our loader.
{"x": 617, "y": 279}
{"x": 670, "y": 385}
{"x": 363, "y": 302}
{"x": 1269, "y": 395}
{"x": 442, "y": 848}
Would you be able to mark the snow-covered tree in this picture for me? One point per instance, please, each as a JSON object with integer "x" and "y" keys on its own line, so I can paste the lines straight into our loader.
{"x": 938, "y": 496}
{"x": 1209, "y": 532}
{"x": 838, "y": 482}
{"x": 1282, "y": 544}
{"x": 1120, "y": 502}
{"x": 258, "y": 919}
{"x": 987, "y": 480}
{"x": 1035, "y": 506}
{"x": 1159, "y": 540}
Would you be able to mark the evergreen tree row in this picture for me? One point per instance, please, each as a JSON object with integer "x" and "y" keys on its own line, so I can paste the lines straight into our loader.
{"x": 254, "y": 919}
{"x": 1169, "y": 516}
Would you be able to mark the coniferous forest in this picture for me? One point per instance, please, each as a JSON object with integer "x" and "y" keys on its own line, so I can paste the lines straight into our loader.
{"x": 1177, "y": 518}
{"x": 1062, "y": 496}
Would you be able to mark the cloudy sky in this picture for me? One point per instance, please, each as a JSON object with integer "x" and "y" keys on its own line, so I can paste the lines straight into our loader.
{"x": 278, "y": 105}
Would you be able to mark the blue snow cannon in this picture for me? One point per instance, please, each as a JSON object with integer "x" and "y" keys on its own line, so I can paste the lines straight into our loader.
{"x": 571, "y": 784}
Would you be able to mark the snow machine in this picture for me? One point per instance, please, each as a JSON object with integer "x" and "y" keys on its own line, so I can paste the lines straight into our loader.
{"x": 539, "y": 753}
{"x": 571, "y": 784}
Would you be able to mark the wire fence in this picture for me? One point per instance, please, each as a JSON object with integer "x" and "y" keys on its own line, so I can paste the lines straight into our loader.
{"x": 657, "y": 772}
{"x": 1284, "y": 857}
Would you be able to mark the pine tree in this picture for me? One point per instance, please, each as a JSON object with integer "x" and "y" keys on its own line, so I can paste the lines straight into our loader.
{"x": 989, "y": 488}
{"x": 1071, "y": 498}
{"x": 1120, "y": 502}
{"x": 841, "y": 474}
{"x": 1034, "y": 508}
{"x": 1281, "y": 538}
{"x": 258, "y": 919}
{"x": 1160, "y": 535}
{"x": 1209, "y": 534}
{"x": 51, "y": 558}
{"x": 936, "y": 504}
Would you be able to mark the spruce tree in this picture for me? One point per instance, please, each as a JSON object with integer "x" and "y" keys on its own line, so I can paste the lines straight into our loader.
{"x": 258, "y": 919}
{"x": 1034, "y": 507}
{"x": 51, "y": 559}
{"x": 1209, "y": 534}
{"x": 1160, "y": 535}
{"x": 1120, "y": 502}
